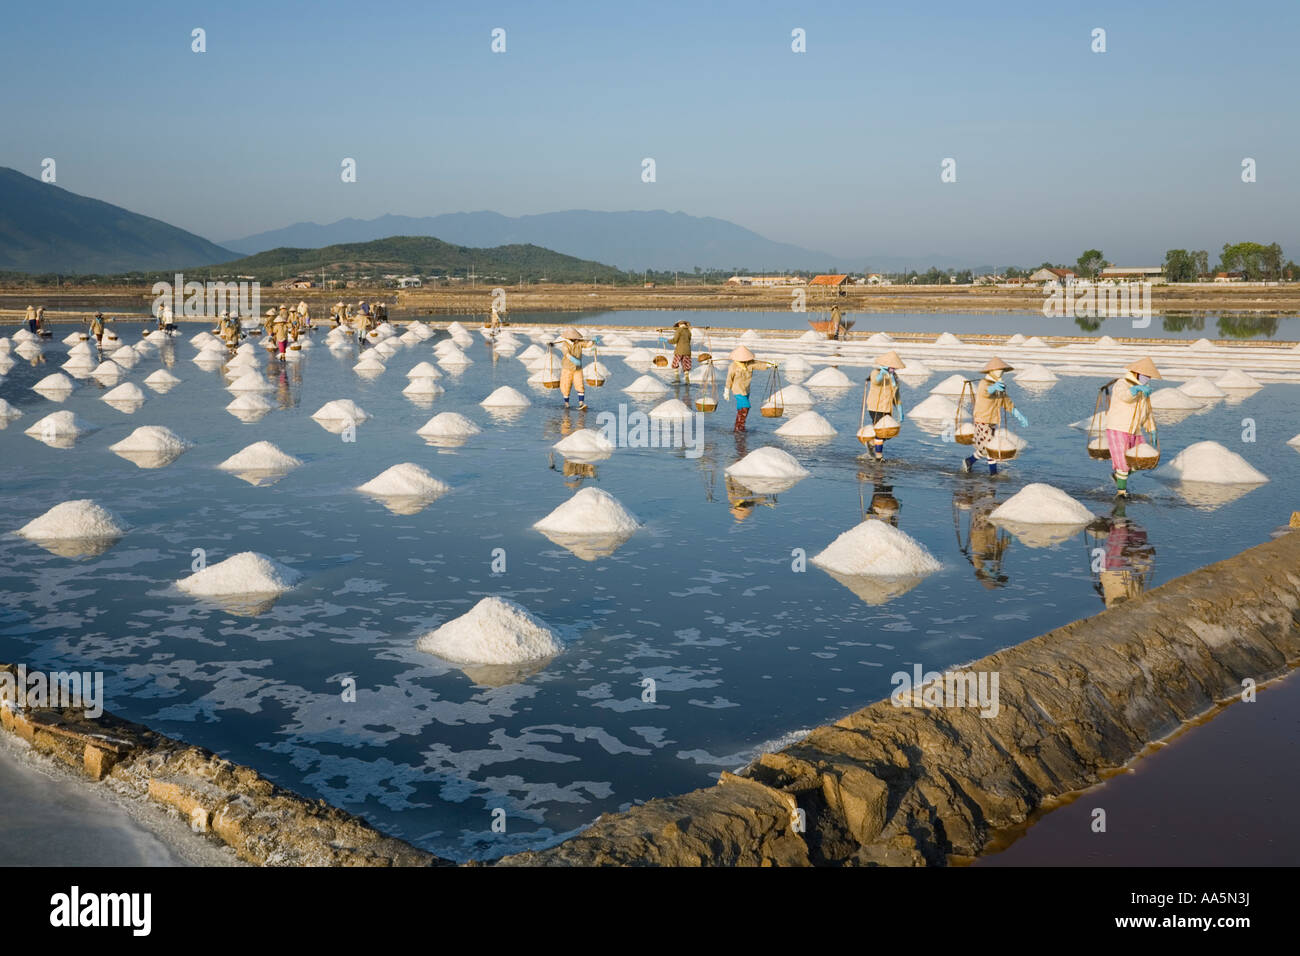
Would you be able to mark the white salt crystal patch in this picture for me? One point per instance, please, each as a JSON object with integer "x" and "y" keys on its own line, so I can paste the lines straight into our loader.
{"x": 590, "y": 511}
{"x": 405, "y": 480}
{"x": 768, "y": 462}
{"x": 424, "y": 370}
{"x": 151, "y": 438}
{"x": 584, "y": 442}
{"x": 72, "y": 520}
{"x": 950, "y": 386}
{"x": 829, "y": 377}
{"x": 61, "y": 424}
{"x": 795, "y": 396}
{"x": 1201, "y": 387}
{"x": 58, "y": 382}
{"x": 423, "y": 386}
{"x": 807, "y": 425}
{"x": 1033, "y": 374}
{"x": 671, "y": 410}
{"x": 247, "y": 573}
{"x": 1172, "y": 398}
{"x": 448, "y": 425}
{"x": 339, "y": 409}
{"x": 1039, "y": 503}
{"x": 161, "y": 378}
{"x": 1236, "y": 378}
{"x": 876, "y": 549}
{"x": 947, "y": 338}
{"x": 647, "y": 385}
{"x": 1210, "y": 462}
{"x": 506, "y": 397}
{"x": 126, "y": 392}
{"x": 494, "y": 631}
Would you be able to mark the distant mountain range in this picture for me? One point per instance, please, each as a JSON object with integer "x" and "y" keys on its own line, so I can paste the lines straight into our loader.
{"x": 632, "y": 241}
{"x": 45, "y": 228}
{"x": 407, "y": 253}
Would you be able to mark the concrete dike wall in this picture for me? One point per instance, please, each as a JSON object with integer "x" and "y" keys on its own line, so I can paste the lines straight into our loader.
{"x": 915, "y": 786}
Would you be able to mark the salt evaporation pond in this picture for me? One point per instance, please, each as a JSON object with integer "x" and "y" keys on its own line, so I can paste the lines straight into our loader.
{"x": 703, "y": 599}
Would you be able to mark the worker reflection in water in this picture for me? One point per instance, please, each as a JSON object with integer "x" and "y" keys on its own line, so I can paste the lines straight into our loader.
{"x": 986, "y": 544}
{"x": 1125, "y": 566}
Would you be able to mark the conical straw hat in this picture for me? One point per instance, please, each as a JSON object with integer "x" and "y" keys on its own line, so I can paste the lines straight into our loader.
{"x": 570, "y": 333}
{"x": 742, "y": 354}
{"x": 890, "y": 360}
{"x": 1144, "y": 366}
{"x": 996, "y": 364}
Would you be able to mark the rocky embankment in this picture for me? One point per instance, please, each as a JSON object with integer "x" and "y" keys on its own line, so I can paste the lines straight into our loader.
{"x": 916, "y": 786}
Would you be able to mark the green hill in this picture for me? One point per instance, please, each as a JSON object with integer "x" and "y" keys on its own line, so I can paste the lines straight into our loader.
{"x": 416, "y": 255}
{"x": 46, "y": 229}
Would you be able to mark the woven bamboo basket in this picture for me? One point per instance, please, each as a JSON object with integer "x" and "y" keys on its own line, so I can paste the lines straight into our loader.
{"x": 866, "y": 434}
{"x": 777, "y": 409}
{"x": 1142, "y": 458}
{"x": 1098, "y": 449}
{"x": 964, "y": 434}
{"x": 594, "y": 380}
{"x": 886, "y": 432}
{"x": 659, "y": 361}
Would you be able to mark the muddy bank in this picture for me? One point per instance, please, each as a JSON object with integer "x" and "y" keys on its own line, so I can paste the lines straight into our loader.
{"x": 264, "y": 824}
{"x": 920, "y": 786}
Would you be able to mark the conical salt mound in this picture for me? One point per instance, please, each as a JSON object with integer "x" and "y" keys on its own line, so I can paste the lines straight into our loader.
{"x": 950, "y": 387}
{"x": 590, "y": 511}
{"x": 584, "y": 445}
{"x": 74, "y": 520}
{"x": 494, "y": 631}
{"x": 876, "y": 549}
{"x": 1237, "y": 379}
{"x": 807, "y": 425}
{"x": 1210, "y": 463}
{"x": 341, "y": 409}
{"x": 448, "y": 425}
{"x": 260, "y": 456}
{"x": 768, "y": 471}
{"x": 933, "y": 409}
{"x": 245, "y": 574}
{"x": 829, "y": 377}
{"x": 406, "y": 480}
{"x": 1201, "y": 388}
{"x": 506, "y": 397}
{"x": 1039, "y": 503}
{"x": 947, "y": 338}
{"x": 671, "y": 410}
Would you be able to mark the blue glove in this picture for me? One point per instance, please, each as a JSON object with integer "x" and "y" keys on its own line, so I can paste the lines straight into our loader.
{"x": 882, "y": 374}
{"x": 1134, "y": 390}
{"x": 995, "y": 388}
{"x": 898, "y": 416}
{"x": 1019, "y": 416}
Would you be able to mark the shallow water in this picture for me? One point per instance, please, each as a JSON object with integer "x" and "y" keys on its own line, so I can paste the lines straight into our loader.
{"x": 743, "y": 650}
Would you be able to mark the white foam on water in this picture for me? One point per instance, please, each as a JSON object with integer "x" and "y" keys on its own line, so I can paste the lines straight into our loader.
{"x": 647, "y": 385}
{"x": 1040, "y": 503}
{"x": 247, "y": 573}
{"x": 151, "y": 438}
{"x": 449, "y": 425}
{"x": 769, "y": 462}
{"x": 73, "y": 520}
{"x": 876, "y": 549}
{"x": 405, "y": 480}
{"x": 260, "y": 456}
{"x": 506, "y": 397}
{"x": 1211, "y": 463}
{"x": 829, "y": 377}
{"x": 671, "y": 410}
{"x": 807, "y": 425}
{"x": 591, "y": 511}
{"x": 339, "y": 410}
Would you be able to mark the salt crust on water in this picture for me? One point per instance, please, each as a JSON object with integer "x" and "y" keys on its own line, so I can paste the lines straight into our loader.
{"x": 260, "y": 456}
{"x": 1039, "y": 503}
{"x": 1210, "y": 462}
{"x": 151, "y": 438}
{"x": 58, "y": 382}
{"x": 244, "y": 573}
{"x": 829, "y": 377}
{"x": 60, "y": 423}
{"x": 1236, "y": 378}
{"x": 585, "y": 441}
{"x": 807, "y": 425}
{"x": 591, "y": 511}
{"x": 876, "y": 549}
{"x": 950, "y": 386}
{"x": 646, "y": 385}
{"x": 72, "y": 520}
{"x": 1173, "y": 399}
{"x": 340, "y": 409}
{"x": 1201, "y": 388}
{"x": 768, "y": 462}
{"x": 405, "y": 480}
{"x": 126, "y": 392}
{"x": 793, "y": 395}
{"x": 933, "y": 409}
{"x": 494, "y": 631}
{"x": 449, "y": 425}
{"x": 673, "y": 409}
{"x": 506, "y": 397}
{"x": 249, "y": 402}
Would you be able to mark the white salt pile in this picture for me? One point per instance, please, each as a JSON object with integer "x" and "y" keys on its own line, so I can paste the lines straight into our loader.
{"x": 60, "y": 425}
{"x": 584, "y": 443}
{"x": 406, "y": 480}
{"x": 589, "y": 512}
{"x": 1006, "y": 441}
{"x": 1237, "y": 379}
{"x": 423, "y": 386}
{"x": 876, "y": 549}
{"x": 596, "y": 370}
{"x": 339, "y": 410}
{"x": 1035, "y": 341}
{"x": 249, "y": 402}
{"x": 494, "y": 631}
{"x": 880, "y": 338}
{"x": 807, "y": 425}
{"x": 151, "y": 438}
{"x": 456, "y": 328}
{"x": 107, "y": 373}
{"x": 768, "y": 463}
{"x": 506, "y": 397}
{"x": 1036, "y": 374}
{"x": 1173, "y": 399}
{"x": 749, "y": 335}
{"x": 200, "y": 339}
{"x": 617, "y": 340}
{"x": 248, "y": 573}
{"x": 370, "y": 365}
{"x": 812, "y": 336}
{"x": 1092, "y": 423}
{"x": 1016, "y": 339}
{"x": 915, "y": 368}
{"x": 125, "y": 357}
{"x": 796, "y": 366}
{"x": 1210, "y": 462}
{"x": 73, "y": 339}
{"x": 639, "y": 356}
{"x": 1201, "y": 388}
{"x": 73, "y": 520}
{"x": 58, "y": 382}
{"x": 1202, "y": 345}
{"x": 260, "y": 456}
{"x": 127, "y": 392}
{"x": 531, "y": 353}
{"x": 671, "y": 410}
{"x": 947, "y": 338}
{"x": 8, "y": 412}
{"x": 829, "y": 377}
{"x": 23, "y": 335}
{"x": 950, "y": 386}
{"x": 1105, "y": 342}
{"x": 1039, "y": 503}
{"x": 161, "y": 379}
{"x": 1295, "y": 442}
{"x": 648, "y": 386}
{"x": 454, "y": 358}
{"x": 424, "y": 370}
{"x": 795, "y": 396}
{"x": 448, "y": 425}
{"x": 249, "y": 382}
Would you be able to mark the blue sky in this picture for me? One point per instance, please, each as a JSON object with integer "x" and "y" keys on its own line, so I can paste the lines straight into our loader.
{"x": 1058, "y": 148}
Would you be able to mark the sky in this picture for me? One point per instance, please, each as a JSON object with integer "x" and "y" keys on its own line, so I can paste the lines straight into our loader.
{"x": 1057, "y": 148}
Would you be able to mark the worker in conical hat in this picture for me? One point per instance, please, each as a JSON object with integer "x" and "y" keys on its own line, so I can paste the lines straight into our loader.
{"x": 31, "y": 318}
{"x": 739, "y": 378}
{"x": 572, "y": 345}
{"x": 1127, "y": 416}
{"x": 681, "y": 339}
{"x": 991, "y": 400}
{"x": 883, "y": 395}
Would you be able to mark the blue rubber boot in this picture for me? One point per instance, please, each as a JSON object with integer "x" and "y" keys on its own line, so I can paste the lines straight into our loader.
{"x": 993, "y": 468}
